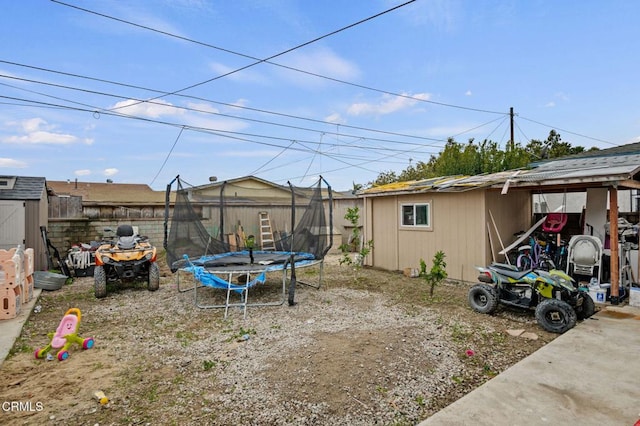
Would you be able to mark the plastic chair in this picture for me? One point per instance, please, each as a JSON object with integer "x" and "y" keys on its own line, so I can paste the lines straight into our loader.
{"x": 585, "y": 256}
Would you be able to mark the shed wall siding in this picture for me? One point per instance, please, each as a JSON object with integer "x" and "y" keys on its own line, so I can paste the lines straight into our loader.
{"x": 456, "y": 230}
{"x": 12, "y": 223}
{"x": 383, "y": 214}
{"x": 459, "y": 228}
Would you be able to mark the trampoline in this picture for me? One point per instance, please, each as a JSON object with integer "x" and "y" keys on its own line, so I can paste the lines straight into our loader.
{"x": 230, "y": 258}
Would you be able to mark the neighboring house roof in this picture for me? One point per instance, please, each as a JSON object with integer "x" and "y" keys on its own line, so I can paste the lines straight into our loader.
{"x": 615, "y": 166}
{"x": 22, "y": 188}
{"x": 631, "y": 148}
{"x": 252, "y": 186}
{"x": 99, "y": 192}
{"x": 239, "y": 180}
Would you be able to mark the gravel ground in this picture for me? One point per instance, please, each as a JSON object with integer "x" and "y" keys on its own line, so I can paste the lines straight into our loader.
{"x": 368, "y": 347}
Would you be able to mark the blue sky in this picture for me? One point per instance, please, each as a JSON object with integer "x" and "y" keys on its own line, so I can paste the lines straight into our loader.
{"x": 89, "y": 97}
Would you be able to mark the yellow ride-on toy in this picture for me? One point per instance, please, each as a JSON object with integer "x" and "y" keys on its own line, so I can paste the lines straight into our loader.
{"x": 127, "y": 258}
{"x": 65, "y": 335}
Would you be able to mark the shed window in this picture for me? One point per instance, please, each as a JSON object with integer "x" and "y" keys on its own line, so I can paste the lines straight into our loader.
{"x": 416, "y": 215}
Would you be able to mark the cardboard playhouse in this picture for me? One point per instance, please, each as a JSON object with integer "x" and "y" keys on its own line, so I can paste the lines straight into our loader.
{"x": 16, "y": 280}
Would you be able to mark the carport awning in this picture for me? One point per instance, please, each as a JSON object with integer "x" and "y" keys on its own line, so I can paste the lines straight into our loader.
{"x": 577, "y": 172}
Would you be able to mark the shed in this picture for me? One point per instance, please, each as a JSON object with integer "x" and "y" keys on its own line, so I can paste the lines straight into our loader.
{"x": 460, "y": 215}
{"x": 23, "y": 210}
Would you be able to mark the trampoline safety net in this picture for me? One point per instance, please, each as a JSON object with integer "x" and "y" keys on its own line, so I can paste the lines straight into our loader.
{"x": 247, "y": 214}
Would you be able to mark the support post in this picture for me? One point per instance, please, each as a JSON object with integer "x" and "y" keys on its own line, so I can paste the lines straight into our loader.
{"x": 613, "y": 235}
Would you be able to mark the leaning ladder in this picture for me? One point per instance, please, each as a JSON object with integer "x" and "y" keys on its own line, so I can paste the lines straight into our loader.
{"x": 266, "y": 233}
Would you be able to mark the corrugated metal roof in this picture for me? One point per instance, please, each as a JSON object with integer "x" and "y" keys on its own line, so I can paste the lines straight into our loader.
{"x": 567, "y": 171}
{"x": 25, "y": 188}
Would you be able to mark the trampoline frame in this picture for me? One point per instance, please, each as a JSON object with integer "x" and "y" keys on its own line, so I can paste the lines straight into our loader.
{"x": 228, "y": 274}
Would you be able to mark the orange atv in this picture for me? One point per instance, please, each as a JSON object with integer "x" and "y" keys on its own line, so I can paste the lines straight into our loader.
{"x": 127, "y": 258}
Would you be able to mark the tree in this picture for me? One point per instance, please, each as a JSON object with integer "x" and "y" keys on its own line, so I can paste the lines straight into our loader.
{"x": 486, "y": 157}
{"x": 552, "y": 147}
{"x": 436, "y": 274}
{"x": 355, "y": 243}
{"x": 384, "y": 178}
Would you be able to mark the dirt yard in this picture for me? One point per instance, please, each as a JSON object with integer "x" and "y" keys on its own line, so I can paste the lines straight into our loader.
{"x": 368, "y": 347}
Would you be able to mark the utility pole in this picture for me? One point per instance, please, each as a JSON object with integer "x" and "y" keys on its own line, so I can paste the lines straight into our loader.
{"x": 511, "y": 141}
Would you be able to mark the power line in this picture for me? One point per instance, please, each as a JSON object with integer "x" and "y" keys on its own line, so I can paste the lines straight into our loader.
{"x": 257, "y": 61}
{"x": 221, "y": 133}
{"x": 167, "y": 157}
{"x": 205, "y": 100}
{"x": 273, "y": 112}
{"x": 268, "y": 60}
{"x": 570, "y": 132}
{"x": 96, "y": 109}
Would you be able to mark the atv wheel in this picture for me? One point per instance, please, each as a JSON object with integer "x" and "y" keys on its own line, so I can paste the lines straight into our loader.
{"x": 587, "y": 308}
{"x": 100, "y": 282}
{"x": 483, "y": 298}
{"x": 153, "y": 281}
{"x": 555, "y": 316}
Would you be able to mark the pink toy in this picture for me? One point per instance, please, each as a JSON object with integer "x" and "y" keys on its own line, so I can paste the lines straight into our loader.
{"x": 66, "y": 334}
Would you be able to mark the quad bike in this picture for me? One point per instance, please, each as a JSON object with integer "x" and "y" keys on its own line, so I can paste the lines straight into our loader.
{"x": 126, "y": 258}
{"x": 557, "y": 302}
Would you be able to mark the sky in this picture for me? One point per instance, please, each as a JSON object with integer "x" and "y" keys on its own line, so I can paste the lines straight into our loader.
{"x": 142, "y": 91}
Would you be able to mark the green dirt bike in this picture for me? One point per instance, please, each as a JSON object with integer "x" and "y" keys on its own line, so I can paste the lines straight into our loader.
{"x": 126, "y": 258}
{"x": 558, "y": 304}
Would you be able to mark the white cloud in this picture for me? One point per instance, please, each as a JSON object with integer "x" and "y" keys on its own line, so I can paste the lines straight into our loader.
{"x": 468, "y": 93}
{"x": 335, "y": 118}
{"x": 245, "y": 75}
{"x": 560, "y": 96}
{"x": 241, "y": 102}
{"x": 33, "y": 124}
{"x": 38, "y": 131}
{"x": 110, "y": 172}
{"x": 82, "y": 172}
{"x": 153, "y": 109}
{"x": 387, "y": 105}
{"x": 10, "y": 163}
{"x": 248, "y": 154}
{"x": 228, "y": 124}
{"x": 42, "y": 137}
{"x": 320, "y": 61}
{"x": 204, "y": 107}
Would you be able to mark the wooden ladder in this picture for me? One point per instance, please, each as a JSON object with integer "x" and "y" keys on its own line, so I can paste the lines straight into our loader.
{"x": 266, "y": 233}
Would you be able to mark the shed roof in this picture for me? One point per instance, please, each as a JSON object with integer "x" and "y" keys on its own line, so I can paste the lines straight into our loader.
{"x": 617, "y": 166}
{"x": 24, "y": 188}
{"x": 100, "y": 192}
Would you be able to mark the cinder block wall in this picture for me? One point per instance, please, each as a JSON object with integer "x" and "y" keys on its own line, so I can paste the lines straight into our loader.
{"x": 64, "y": 233}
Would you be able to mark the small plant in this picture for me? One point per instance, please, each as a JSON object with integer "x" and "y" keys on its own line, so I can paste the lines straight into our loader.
{"x": 486, "y": 369}
{"x": 355, "y": 244}
{"x": 185, "y": 337}
{"x": 437, "y": 274}
{"x": 241, "y": 334}
{"x": 382, "y": 390}
{"x": 458, "y": 333}
{"x": 208, "y": 365}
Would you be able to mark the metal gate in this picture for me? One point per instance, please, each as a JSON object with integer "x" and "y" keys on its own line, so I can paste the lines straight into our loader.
{"x": 12, "y": 226}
